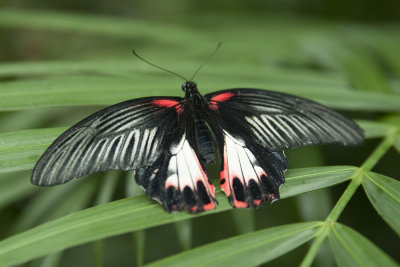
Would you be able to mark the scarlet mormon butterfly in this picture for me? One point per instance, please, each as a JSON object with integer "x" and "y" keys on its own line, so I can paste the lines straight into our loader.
{"x": 168, "y": 141}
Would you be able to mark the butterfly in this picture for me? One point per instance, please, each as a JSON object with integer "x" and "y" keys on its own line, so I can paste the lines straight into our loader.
{"x": 168, "y": 142}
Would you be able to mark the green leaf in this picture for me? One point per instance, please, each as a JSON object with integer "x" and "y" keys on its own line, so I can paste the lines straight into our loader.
{"x": 248, "y": 249}
{"x": 74, "y": 201}
{"x": 38, "y": 207}
{"x": 14, "y": 187}
{"x": 352, "y": 249}
{"x": 303, "y": 180}
{"x": 89, "y": 24}
{"x": 397, "y": 143}
{"x": 106, "y": 90}
{"x": 110, "y": 219}
{"x": 363, "y": 72}
{"x": 20, "y": 150}
{"x": 384, "y": 194}
{"x": 134, "y": 214}
{"x": 374, "y": 129}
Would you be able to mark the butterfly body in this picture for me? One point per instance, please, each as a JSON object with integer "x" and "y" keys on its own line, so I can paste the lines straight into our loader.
{"x": 168, "y": 141}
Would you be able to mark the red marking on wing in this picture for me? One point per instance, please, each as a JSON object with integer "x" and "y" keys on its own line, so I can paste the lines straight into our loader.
{"x": 194, "y": 209}
{"x": 257, "y": 202}
{"x": 224, "y": 176}
{"x": 168, "y": 104}
{"x": 226, "y": 184}
{"x": 240, "y": 204}
{"x": 209, "y": 206}
{"x": 220, "y": 98}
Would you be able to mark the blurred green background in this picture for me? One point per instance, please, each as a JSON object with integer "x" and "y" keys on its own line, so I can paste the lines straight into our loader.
{"x": 62, "y": 60}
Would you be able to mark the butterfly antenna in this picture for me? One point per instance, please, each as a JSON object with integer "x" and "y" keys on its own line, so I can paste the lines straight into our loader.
{"x": 206, "y": 60}
{"x": 158, "y": 67}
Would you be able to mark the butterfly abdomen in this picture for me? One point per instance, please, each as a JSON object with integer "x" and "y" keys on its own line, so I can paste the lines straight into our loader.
{"x": 204, "y": 141}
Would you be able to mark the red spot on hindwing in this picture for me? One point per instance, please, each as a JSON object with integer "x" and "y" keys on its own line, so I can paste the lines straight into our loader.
{"x": 257, "y": 202}
{"x": 167, "y": 103}
{"x": 209, "y": 206}
{"x": 224, "y": 176}
{"x": 220, "y": 98}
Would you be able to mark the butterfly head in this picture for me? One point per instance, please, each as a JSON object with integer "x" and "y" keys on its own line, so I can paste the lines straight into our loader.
{"x": 189, "y": 87}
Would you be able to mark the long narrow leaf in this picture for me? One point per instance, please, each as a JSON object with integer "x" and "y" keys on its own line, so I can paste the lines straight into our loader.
{"x": 20, "y": 150}
{"x": 248, "y": 249}
{"x": 106, "y": 90}
{"x": 352, "y": 249}
{"x": 14, "y": 187}
{"x": 384, "y": 194}
{"x": 127, "y": 215}
{"x": 374, "y": 129}
{"x": 89, "y": 24}
{"x": 36, "y": 210}
{"x": 304, "y": 180}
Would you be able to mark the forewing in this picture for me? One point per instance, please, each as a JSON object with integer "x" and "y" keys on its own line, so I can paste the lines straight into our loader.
{"x": 124, "y": 136}
{"x": 278, "y": 121}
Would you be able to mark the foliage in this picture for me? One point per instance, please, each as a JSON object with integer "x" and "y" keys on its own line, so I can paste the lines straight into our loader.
{"x": 347, "y": 66}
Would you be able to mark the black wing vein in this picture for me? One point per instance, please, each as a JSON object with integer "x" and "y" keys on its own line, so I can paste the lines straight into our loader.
{"x": 125, "y": 136}
{"x": 278, "y": 121}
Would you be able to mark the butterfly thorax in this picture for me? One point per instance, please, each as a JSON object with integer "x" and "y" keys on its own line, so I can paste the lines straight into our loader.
{"x": 189, "y": 87}
{"x": 192, "y": 95}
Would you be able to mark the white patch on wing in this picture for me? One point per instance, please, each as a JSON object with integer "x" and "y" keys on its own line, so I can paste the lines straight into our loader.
{"x": 172, "y": 174}
{"x": 234, "y": 168}
{"x": 184, "y": 176}
{"x": 185, "y": 169}
{"x": 240, "y": 163}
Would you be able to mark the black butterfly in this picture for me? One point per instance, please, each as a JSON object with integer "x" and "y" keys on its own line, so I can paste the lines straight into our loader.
{"x": 168, "y": 141}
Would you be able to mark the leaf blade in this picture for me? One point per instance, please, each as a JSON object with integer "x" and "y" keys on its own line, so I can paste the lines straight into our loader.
{"x": 20, "y": 150}
{"x": 109, "y": 89}
{"x": 248, "y": 249}
{"x": 350, "y": 248}
{"x": 117, "y": 217}
{"x": 308, "y": 179}
{"x": 384, "y": 194}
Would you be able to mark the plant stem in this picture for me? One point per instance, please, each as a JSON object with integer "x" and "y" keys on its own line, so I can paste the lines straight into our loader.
{"x": 344, "y": 199}
{"x": 98, "y": 252}
{"x": 369, "y": 163}
{"x": 331, "y": 219}
{"x": 139, "y": 239}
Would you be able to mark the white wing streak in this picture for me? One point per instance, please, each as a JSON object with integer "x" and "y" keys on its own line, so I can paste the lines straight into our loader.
{"x": 125, "y": 136}
{"x": 242, "y": 177}
{"x": 187, "y": 178}
{"x": 279, "y": 121}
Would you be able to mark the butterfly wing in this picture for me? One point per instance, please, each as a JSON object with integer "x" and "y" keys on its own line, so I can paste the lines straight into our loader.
{"x": 123, "y": 136}
{"x": 146, "y": 135}
{"x": 178, "y": 179}
{"x": 249, "y": 173}
{"x": 278, "y": 121}
{"x": 255, "y": 126}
